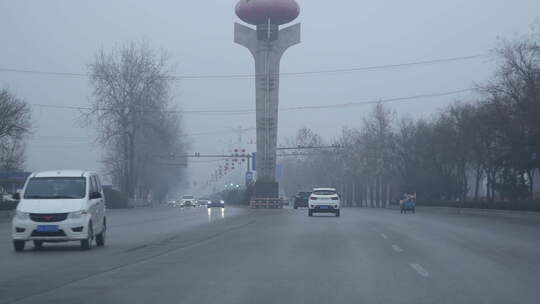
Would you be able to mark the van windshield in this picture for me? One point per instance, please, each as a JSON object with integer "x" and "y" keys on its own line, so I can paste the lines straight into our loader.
{"x": 188, "y": 197}
{"x": 55, "y": 188}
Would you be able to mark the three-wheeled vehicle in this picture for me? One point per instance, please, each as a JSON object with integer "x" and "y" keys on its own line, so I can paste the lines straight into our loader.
{"x": 408, "y": 203}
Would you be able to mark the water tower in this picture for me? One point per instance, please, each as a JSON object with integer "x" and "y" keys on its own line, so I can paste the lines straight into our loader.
{"x": 267, "y": 43}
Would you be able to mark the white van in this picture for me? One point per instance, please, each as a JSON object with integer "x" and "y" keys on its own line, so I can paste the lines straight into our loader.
{"x": 60, "y": 206}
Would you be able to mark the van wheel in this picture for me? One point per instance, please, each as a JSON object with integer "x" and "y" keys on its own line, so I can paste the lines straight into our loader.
{"x": 100, "y": 238}
{"x": 87, "y": 244}
{"x": 18, "y": 245}
{"x": 310, "y": 212}
{"x": 337, "y": 213}
{"x": 38, "y": 244}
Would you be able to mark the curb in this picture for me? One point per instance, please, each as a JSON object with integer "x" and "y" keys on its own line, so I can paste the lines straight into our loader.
{"x": 482, "y": 212}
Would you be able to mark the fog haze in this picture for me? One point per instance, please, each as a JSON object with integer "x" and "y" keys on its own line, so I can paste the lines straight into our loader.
{"x": 64, "y": 36}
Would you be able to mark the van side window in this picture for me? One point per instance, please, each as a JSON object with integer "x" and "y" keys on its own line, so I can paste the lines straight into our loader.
{"x": 92, "y": 184}
{"x": 98, "y": 184}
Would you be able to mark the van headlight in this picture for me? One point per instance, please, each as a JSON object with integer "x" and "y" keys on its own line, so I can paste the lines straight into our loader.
{"x": 22, "y": 215}
{"x": 77, "y": 214}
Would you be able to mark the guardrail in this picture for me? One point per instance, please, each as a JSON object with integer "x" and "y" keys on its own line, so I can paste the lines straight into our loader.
{"x": 266, "y": 203}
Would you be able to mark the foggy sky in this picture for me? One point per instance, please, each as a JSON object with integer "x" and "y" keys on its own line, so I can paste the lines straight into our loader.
{"x": 64, "y": 36}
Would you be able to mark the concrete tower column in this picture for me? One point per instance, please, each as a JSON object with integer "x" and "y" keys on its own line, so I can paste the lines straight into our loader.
{"x": 267, "y": 43}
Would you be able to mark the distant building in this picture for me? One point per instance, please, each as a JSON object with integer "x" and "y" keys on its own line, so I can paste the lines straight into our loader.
{"x": 12, "y": 180}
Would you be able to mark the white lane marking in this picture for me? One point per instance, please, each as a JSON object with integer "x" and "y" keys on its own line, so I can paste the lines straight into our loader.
{"x": 397, "y": 248}
{"x": 418, "y": 268}
{"x": 384, "y": 236}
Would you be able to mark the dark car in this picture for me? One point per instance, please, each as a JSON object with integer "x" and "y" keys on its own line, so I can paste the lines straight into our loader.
{"x": 301, "y": 199}
{"x": 216, "y": 203}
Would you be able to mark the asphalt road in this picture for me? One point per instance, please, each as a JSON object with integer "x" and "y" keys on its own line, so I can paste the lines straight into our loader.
{"x": 282, "y": 256}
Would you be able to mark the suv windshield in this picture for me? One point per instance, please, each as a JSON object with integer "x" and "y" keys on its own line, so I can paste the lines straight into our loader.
{"x": 55, "y": 188}
{"x": 188, "y": 197}
{"x": 324, "y": 192}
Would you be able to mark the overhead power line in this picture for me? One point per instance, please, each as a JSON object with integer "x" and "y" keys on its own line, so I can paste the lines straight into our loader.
{"x": 70, "y": 139}
{"x": 285, "y": 74}
{"x": 389, "y": 100}
{"x": 285, "y": 109}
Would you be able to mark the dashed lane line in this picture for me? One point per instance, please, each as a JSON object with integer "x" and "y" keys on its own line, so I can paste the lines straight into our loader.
{"x": 419, "y": 269}
{"x": 397, "y": 248}
{"x": 384, "y": 236}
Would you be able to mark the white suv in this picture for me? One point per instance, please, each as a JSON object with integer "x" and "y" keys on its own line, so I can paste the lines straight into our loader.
{"x": 324, "y": 200}
{"x": 60, "y": 206}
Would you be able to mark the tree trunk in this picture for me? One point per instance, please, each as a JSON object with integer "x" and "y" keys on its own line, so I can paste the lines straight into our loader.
{"x": 125, "y": 173}
{"x": 131, "y": 177}
{"x": 530, "y": 177}
{"x": 353, "y": 195}
{"x": 477, "y": 181}
{"x": 387, "y": 201}
{"x": 371, "y": 196}
{"x": 377, "y": 192}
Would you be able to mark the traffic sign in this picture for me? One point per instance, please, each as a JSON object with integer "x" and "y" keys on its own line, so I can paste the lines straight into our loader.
{"x": 249, "y": 178}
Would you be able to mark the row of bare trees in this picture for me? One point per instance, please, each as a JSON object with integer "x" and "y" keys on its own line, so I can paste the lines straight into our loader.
{"x": 15, "y": 125}
{"x": 488, "y": 149}
{"x": 138, "y": 127}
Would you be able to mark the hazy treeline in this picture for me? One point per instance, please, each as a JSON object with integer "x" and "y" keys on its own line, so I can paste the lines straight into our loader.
{"x": 486, "y": 149}
{"x": 137, "y": 126}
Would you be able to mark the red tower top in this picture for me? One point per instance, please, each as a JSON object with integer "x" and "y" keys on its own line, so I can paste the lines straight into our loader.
{"x": 258, "y": 12}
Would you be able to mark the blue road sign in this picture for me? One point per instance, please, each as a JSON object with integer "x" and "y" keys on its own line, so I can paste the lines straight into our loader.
{"x": 249, "y": 178}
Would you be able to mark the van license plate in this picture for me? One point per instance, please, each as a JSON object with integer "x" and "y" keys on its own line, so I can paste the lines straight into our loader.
{"x": 47, "y": 228}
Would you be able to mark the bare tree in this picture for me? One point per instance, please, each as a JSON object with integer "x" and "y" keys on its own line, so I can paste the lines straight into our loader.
{"x": 12, "y": 153}
{"x": 130, "y": 108}
{"x": 491, "y": 144}
{"x": 15, "y": 123}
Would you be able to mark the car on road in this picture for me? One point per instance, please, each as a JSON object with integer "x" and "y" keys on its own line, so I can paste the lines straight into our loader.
{"x": 216, "y": 203}
{"x": 60, "y": 206}
{"x": 324, "y": 200}
{"x": 188, "y": 201}
{"x": 203, "y": 202}
{"x": 301, "y": 199}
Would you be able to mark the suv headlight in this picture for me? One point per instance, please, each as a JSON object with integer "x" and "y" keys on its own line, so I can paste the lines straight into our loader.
{"x": 77, "y": 214}
{"x": 22, "y": 215}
